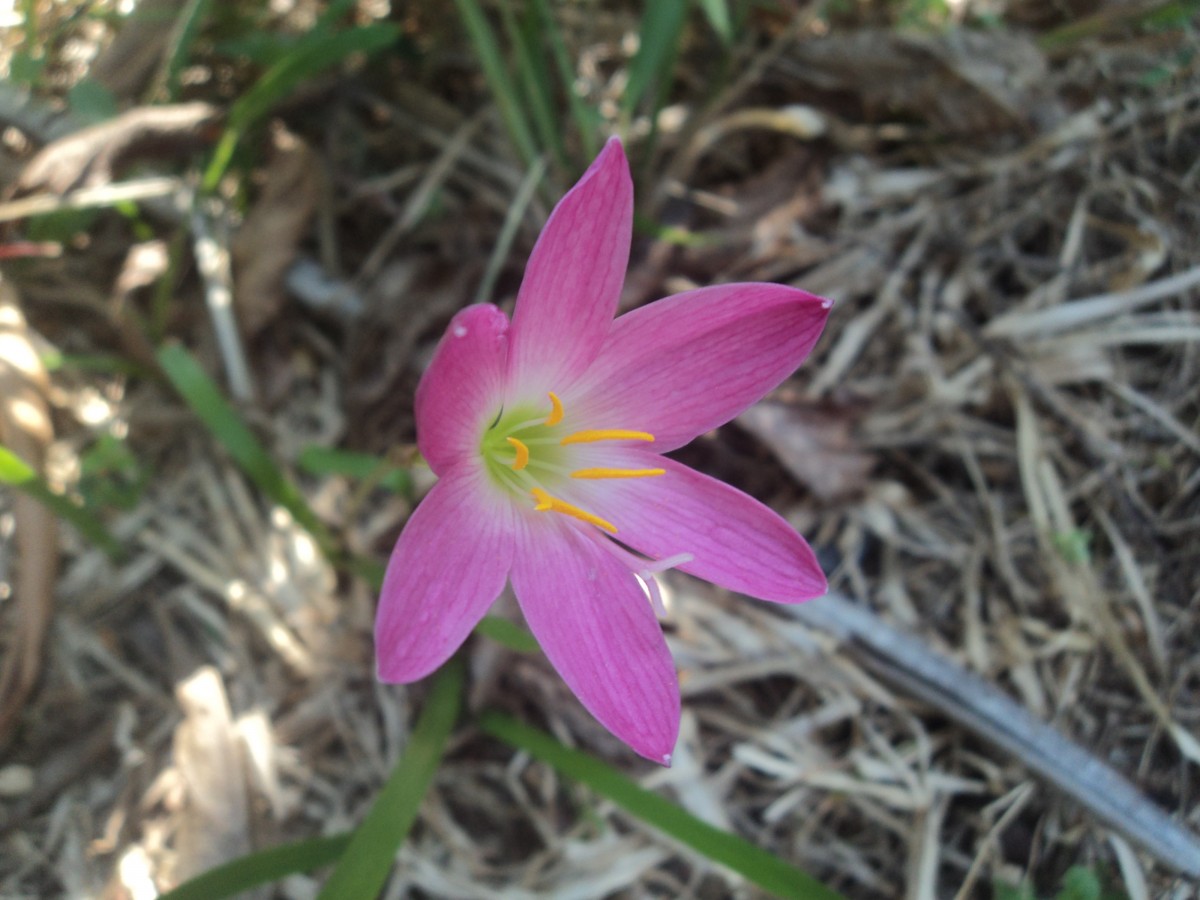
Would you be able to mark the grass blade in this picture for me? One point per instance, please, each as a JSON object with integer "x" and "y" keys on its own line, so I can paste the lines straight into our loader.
{"x": 587, "y": 119}
{"x": 508, "y": 231}
{"x": 718, "y": 17}
{"x": 320, "y": 51}
{"x": 488, "y": 50}
{"x": 658, "y": 45}
{"x": 511, "y": 635}
{"x": 222, "y": 420}
{"x": 535, "y": 79}
{"x": 318, "y": 460}
{"x": 365, "y": 865}
{"x": 182, "y": 36}
{"x": 757, "y": 865}
{"x": 261, "y": 868}
{"x": 15, "y": 472}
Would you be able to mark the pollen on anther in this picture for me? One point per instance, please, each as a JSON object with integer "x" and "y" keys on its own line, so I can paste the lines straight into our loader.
{"x": 556, "y": 410}
{"x": 522, "y": 459}
{"x": 546, "y": 503}
{"x": 591, "y": 436}
{"x": 617, "y": 473}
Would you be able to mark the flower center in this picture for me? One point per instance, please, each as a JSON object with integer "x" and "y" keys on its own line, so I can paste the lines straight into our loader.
{"x": 527, "y": 449}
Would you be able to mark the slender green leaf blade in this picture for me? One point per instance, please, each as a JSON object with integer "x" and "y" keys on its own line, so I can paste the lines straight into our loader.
{"x": 512, "y": 636}
{"x": 309, "y": 57}
{"x": 317, "y": 460}
{"x": 718, "y": 17}
{"x": 587, "y": 119}
{"x": 261, "y": 868}
{"x": 658, "y": 44}
{"x": 757, "y": 865}
{"x": 180, "y": 41}
{"x": 490, "y": 58}
{"x": 223, "y": 421}
{"x": 15, "y": 472}
{"x": 531, "y": 67}
{"x": 364, "y": 866}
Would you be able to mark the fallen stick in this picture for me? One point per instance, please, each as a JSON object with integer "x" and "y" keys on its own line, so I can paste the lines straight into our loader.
{"x": 910, "y": 665}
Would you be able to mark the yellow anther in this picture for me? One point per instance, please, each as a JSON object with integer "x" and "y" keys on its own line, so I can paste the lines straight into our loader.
{"x": 522, "y": 459}
{"x": 556, "y": 411}
{"x": 605, "y": 434}
{"x": 618, "y": 473}
{"x": 552, "y": 504}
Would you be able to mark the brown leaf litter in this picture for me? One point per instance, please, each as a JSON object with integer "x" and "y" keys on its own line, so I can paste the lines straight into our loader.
{"x": 994, "y": 451}
{"x": 26, "y": 430}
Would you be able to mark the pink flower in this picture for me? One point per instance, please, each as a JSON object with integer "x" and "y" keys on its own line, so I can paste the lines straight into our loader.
{"x": 546, "y": 433}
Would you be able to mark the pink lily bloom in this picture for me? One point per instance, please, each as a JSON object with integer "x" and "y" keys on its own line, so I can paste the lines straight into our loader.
{"x": 547, "y": 434}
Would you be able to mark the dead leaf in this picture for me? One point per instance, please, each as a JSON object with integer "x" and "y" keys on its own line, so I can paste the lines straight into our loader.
{"x": 93, "y": 156}
{"x": 814, "y": 443}
{"x": 266, "y": 244}
{"x": 215, "y": 824}
{"x": 962, "y": 82}
{"x": 25, "y": 429}
{"x": 127, "y": 64}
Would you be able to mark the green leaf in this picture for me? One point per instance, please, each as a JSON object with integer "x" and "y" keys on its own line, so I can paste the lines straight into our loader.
{"x": 535, "y": 78}
{"x": 260, "y": 868}
{"x": 315, "y": 53}
{"x": 16, "y": 473}
{"x": 487, "y": 48}
{"x": 512, "y": 636}
{"x": 183, "y": 34}
{"x": 110, "y": 475}
{"x": 1080, "y": 883}
{"x": 222, "y": 420}
{"x": 508, "y": 231}
{"x": 317, "y": 460}
{"x": 1023, "y": 891}
{"x": 658, "y": 45}
{"x": 757, "y": 865}
{"x": 587, "y": 118}
{"x": 718, "y": 17}
{"x": 365, "y": 865}
{"x": 672, "y": 234}
{"x": 91, "y": 101}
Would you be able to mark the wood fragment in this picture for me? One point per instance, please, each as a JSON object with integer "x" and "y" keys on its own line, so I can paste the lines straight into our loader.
{"x": 962, "y": 696}
{"x": 26, "y": 430}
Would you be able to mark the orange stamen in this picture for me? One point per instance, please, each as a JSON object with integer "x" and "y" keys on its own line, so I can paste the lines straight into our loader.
{"x": 522, "y": 459}
{"x": 605, "y": 434}
{"x": 556, "y": 411}
{"x": 618, "y": 473}
{"x": 553, "y": 504}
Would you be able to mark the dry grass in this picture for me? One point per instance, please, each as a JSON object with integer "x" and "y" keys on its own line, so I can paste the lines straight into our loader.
{"x": 1005, "y": 399}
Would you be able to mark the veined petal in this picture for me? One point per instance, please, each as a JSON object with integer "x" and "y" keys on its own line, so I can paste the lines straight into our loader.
{"x": 685, "y": 364}
{"x": 450, "y": 563}
{"x": 573, "y": 279}
{"x": 597, "y": 628}
{"x": 735, "y": 541}
{"x": 463, "y": 386}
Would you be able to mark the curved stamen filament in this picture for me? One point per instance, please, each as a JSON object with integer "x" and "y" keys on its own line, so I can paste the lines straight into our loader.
{"x": 522, "y": 451}
{"x": 552, "y": 504}
{"x": 617, "y": 473}
{"x": 556, "y": 411}
{"x": 605, "y": 434}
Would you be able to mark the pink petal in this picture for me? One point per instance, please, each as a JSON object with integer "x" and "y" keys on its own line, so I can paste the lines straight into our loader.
{"x": 737, "y": 542}
{"x": 450, "y": 563}
{"x": 463, "y": 388}
{"x": 595, "y": 624}
{"x": 573, "y": 279}
{"x": 690, "y": 362}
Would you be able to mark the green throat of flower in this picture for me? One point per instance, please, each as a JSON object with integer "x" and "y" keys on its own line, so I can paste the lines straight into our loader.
{"x": 527, "y": 449}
